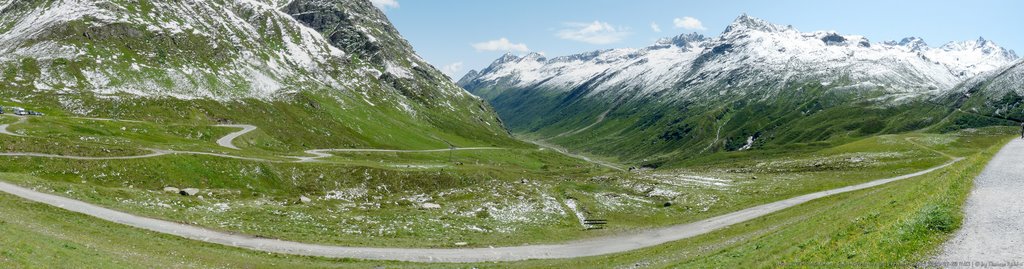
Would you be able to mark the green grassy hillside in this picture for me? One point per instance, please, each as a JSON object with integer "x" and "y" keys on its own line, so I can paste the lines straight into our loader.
{"x": 353, "y": 83}
{"x": 650, "y": 132}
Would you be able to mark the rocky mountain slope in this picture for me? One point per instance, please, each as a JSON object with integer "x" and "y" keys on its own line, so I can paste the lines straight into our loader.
{"x": 756, "y": 84}
{"x": 333, "y": 65}
{"x": 992, "y": 98}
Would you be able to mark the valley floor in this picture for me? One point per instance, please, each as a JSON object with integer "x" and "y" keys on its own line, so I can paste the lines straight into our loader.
{"x": 733, "y": 184}
{"x": 591, "y": 247}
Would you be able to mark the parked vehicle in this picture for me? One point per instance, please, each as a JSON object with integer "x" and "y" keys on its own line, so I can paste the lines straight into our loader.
{"x": 1, "y": 110}
{"x": 19, "y": 111}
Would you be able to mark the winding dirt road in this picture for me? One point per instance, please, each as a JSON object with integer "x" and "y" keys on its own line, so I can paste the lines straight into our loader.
{"x": 228, "y": 140}
{"x": 155, "y": 153}
{"x": 3, "y": 127}
{"x": 323, "y": 153}
{"x": 577, "y": 156}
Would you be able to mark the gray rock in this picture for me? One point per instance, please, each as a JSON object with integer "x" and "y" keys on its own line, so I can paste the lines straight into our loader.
{"x": 189, "y": 191}
{"x": 172, "y": 190}
{"x": 430, "y": 206}
{"x": 305, "y": 200}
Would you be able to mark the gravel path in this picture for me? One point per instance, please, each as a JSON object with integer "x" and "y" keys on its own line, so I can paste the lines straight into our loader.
{"x": 3, "y": 127}
{"x": 993, "y": 228}
{"x": 590, "y": 247}
{"x": 228, "y": 140}
{"x": 155, "y": 153}
{"x": 323, "y": 153}
{"x": 577, "y": 156}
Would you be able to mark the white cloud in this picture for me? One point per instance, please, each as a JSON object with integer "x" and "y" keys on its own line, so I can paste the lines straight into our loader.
{"x": 383, "y": 4}
{"x": 452, "y": 68}
{"x": 501, "y": 44}
{"x": 596, "y": 32}
{"x": 655, "y": 27}
{"x": 689, "y": 23}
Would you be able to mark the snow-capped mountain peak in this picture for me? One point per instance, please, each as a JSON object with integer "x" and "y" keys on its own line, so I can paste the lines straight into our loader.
{"x": 981, "y": 44}
{"x": 507, "y": 57}
{"x": 972, "y": 57}
{"x": 914, "y": 43}
{"x": 682, "y": 41}
{"x": 534, "y": 56}
{"x": 745, "y": 23}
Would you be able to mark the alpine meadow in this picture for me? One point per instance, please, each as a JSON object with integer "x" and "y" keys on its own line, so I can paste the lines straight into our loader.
{"x": 311, "y": 134}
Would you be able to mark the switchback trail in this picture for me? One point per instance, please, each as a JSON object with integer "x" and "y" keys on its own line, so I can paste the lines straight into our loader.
{"x": 3, "y": 127}
{"x": 228, "y": 140}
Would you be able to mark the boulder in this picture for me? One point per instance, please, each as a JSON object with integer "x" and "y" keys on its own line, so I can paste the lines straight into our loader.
{"x": 305, "y": 200}
{"x": 430, "y": 206}
{"x": 172, "y": 190}
{"x": 189, "y": 191}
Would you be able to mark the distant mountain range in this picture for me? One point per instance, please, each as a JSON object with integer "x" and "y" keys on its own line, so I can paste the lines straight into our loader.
{"x": 758, "y": 84}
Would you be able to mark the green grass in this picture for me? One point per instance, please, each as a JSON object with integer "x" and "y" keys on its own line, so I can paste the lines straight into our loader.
{"x": 5, "y": 119}
{"x": 901, "y": 222}
{"x": 489, "y": 197}
{"x": 40, "y": 236}
{"x": 898, "y": 222}
{"x": 263, "y": 196}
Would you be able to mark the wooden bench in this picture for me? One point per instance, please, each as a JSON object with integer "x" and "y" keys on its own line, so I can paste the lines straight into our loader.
{"x": 593, "y": 224}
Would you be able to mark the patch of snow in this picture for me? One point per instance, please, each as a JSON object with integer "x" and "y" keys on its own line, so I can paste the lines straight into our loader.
{"x": 397, "y": 70}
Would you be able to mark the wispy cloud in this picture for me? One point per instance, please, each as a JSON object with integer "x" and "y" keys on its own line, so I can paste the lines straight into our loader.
{"x": 501, "y": 44}
{"x": 452, "y": 68}
{"x": 689, "y": 23}
{"x": 655, "y": 27}
{"x": 384, "y": 4}
{"x": 596, "y": 32}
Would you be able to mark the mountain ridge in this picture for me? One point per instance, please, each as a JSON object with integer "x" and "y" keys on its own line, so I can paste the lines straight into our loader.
{"x": 949, "y": 54}
{"x": 679, "y": 96}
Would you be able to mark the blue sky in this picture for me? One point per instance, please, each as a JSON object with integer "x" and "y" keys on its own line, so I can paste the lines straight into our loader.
{"x": 459, "y": 35}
